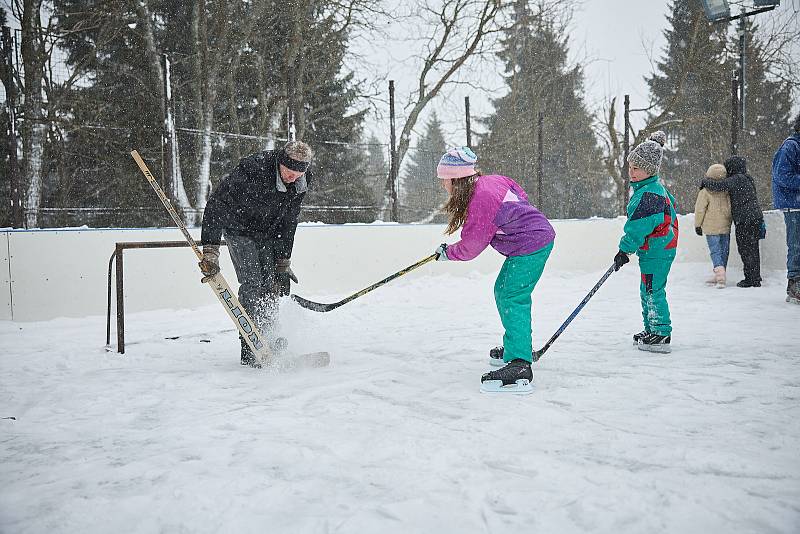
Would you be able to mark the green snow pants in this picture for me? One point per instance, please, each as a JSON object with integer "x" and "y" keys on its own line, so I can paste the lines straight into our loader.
{"x": 653, "y": 292}
{"x": 512, "y": 294}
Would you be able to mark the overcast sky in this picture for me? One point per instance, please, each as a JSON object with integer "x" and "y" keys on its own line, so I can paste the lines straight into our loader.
{"x": 617, "y": 41}
{"x": 613, "y": 39}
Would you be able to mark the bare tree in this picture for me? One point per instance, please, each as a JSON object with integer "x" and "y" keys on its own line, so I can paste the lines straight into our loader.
{"x": 462, "y": 30}
{"x": 220, "y": 41}
{"x": 216, "y": 45}
{"x": 34, "y": 130}
{"x": 614, "y": 155}
{"x": 779, "y": 35}
{"x": 152, "y": 55}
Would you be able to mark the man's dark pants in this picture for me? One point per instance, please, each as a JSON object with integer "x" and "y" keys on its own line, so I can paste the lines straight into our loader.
{"x": 254, "y": 262}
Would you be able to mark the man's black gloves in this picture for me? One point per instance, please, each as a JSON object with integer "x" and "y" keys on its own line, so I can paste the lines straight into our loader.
{"x": 698, "y": 230}
{"x": 283, "y": 274}
{"x": 620, "y": 259}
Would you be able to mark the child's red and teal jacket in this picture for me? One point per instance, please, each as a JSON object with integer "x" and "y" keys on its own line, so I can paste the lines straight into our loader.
{"x": 651, "y": 230}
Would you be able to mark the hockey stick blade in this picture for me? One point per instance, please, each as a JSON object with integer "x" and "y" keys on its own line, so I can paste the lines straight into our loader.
{"x": 308, "y": 360}
{"x": 315, "y": 306}
{"x": 320, "y": 307}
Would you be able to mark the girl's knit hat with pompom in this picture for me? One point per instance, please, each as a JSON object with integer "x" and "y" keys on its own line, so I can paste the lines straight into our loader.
{"x": 647, "y": 156}
{"x": 458, "y": 162}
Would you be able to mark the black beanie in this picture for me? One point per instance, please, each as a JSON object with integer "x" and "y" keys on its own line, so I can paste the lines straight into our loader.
{"x": 736, "y": 165}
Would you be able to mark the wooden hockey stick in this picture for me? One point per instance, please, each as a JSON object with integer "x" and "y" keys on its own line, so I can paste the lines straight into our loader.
{"x": 319, "y": 307}
{"x": 217, "y": 282}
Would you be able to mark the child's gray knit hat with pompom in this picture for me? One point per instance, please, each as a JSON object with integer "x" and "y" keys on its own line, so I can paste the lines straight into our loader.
{"x": 647, "y": 156}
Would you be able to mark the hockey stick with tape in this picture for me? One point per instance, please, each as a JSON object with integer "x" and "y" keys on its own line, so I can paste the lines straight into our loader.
{"x": 319, "y": 307}
{"x": 226, "y": 296}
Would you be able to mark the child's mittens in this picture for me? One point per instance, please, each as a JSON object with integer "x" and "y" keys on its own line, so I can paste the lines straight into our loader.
{"x": 441, "y": 252}
{"x": 698, "y": 230}
{"x": 619, "y": 260}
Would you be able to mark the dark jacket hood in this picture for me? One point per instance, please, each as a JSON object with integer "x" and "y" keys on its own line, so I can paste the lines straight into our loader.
{"x": 736, "y": 165}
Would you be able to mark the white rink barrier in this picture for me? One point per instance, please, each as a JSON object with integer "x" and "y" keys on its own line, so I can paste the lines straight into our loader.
{"x": 62, "y": 273}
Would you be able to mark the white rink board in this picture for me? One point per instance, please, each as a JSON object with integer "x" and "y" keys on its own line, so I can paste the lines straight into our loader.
{"x": 62, "y": 273}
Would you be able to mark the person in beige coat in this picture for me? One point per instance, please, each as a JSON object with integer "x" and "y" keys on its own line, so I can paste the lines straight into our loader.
{"x": 712, "y": 217}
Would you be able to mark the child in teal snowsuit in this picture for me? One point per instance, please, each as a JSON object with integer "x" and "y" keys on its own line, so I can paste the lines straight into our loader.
{"x": 651, "y": 232}
{"x": 494, "y": 211}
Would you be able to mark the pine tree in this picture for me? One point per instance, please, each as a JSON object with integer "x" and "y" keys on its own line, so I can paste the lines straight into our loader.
{"x": 101, "y": 120}
{"x": 421, "y": 193}
{"x": 693, "y": 81}
{"x": 540, "y": 82}
{"x": 120, "y": 92}
{"x": 335, "y": 134}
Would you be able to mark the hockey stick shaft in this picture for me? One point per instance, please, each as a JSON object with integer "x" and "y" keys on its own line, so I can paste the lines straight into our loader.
{"x": 319, "y": 307}
{"x": 167, "y": 204}
{"x": 244, "y": 323}
{"x": 539, "y": 353}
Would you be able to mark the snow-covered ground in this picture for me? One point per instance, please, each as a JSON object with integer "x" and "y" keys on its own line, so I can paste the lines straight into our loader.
{"x": 394, "y": 437}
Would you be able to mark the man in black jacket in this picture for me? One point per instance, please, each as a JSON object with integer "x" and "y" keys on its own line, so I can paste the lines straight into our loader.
{"x": 746, "y": 214}
{"x": 257, "y": 207}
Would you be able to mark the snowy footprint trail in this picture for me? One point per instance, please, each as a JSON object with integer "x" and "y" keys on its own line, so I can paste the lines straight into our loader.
{"x": 394, "y": 436}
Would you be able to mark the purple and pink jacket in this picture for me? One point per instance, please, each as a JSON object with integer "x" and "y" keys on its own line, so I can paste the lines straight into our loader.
{"x": 500, "y": 215}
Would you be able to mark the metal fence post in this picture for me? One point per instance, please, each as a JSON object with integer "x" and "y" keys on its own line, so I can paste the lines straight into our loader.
{"x": 393, "y": 165}
{"x": 120, "y": 303}
{"x": 540, "y": 158}
{"x": 734, "y": 113}
{"x": 469, "y": 129}
{"x": 626, "y": 149}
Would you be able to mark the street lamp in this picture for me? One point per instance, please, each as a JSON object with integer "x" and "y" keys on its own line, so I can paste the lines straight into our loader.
{"x": 719, "y": 11}
{"x": 716, "y": 9}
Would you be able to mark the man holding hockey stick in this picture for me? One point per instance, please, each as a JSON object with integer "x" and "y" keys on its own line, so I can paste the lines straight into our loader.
{"x": 257, "y": 207}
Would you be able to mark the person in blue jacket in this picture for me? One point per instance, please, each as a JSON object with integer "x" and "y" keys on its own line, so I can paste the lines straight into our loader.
{"x": 786, "y": 197}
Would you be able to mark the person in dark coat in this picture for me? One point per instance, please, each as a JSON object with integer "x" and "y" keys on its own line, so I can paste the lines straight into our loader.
{"x": 786, "y": 197}
{"x": 746, "y": 214}
{"x": 257, "y": 208}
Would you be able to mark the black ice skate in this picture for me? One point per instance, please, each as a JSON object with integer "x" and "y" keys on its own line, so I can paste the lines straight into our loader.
{"x": 496, "y": 357}
{"x": 638, "y": 337}
{"x": 516, "y": 377}
{"x": 655, "y": 343}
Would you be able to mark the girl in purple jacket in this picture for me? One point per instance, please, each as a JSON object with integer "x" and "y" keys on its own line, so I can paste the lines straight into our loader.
{"x": 494, "y": 210}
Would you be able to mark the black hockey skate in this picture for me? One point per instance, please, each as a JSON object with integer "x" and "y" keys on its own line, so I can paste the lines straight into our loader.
{"x": 496, "y": 357}
{"x": 638, "y": 337}
{"x": 516, "y": 377}
{"x": 655, "y": 343}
